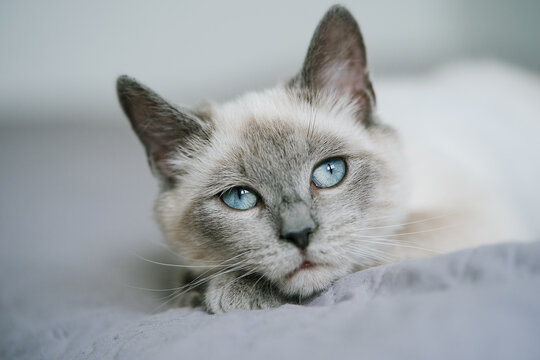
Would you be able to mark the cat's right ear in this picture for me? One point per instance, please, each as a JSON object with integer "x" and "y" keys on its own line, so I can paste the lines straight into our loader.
{"x": 162, "y": 127}
{"x": 336, "y": 60}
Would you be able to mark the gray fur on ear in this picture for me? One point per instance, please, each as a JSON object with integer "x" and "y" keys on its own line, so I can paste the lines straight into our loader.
{"x": 162, "y": 127}
{"x": 336, "y": 58}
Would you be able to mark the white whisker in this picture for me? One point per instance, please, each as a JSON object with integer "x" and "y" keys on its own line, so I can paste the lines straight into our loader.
{"x": 411, "y": 233}
{"x": 407, "y": 223}
{"x": 172, "y": 265}
{"x": 398, "y": 243}
{"x": 188, "y": 287}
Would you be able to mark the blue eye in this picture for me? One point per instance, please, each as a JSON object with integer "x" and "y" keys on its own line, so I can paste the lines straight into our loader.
{"x": 239, "y": 198}
{"x": 329, "y": 173}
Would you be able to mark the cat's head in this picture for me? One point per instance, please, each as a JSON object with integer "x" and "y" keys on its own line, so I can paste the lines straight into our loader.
{"x": 294, "y": 184}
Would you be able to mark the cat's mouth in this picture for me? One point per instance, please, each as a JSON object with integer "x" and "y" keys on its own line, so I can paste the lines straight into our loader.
{"x": 308, "y": 277}
{"x": 304, "y": 266}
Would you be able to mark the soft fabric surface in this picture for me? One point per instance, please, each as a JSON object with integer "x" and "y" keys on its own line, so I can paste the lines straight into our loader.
{"x": 75, "y": 215}
{"x": 475, "y": 304}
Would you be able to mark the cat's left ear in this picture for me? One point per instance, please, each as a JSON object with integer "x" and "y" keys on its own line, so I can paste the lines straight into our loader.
{"x": 163, "y": 128}
{"x": 336, "y": 58}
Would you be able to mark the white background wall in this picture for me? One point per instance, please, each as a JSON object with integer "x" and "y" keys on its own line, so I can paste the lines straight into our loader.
{"x": 59, "y": 59}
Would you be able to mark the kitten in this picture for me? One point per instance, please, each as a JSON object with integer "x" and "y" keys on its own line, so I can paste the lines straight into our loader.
{"x": 279, "y": 192}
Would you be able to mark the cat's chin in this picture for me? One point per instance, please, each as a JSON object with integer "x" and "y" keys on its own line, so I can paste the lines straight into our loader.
{"x": 308, "y": 279}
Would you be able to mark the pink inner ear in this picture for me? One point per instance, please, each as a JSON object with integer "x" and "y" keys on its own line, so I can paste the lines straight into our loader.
{"x": 345, "y": 76}
{"x": 161, "y": 147}
{"x": 336, "y": 59}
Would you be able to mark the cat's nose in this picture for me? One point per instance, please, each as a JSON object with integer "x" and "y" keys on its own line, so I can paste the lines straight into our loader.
{"x": 296, "y": 223}
{"x": 299, "y": 238}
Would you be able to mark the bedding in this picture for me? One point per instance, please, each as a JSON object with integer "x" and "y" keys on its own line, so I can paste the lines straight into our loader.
{"x": 75, "y": 228}
{"x": 473, "y": 304}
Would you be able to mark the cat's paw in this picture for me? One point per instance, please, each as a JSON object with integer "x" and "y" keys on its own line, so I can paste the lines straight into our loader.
{"x": 183, "y": 281}
{"x": 192, "y": 299}
{"x": 229, "y": 292}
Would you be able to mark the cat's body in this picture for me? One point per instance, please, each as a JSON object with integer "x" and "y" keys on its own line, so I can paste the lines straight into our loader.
{"x": 284, "y": 191}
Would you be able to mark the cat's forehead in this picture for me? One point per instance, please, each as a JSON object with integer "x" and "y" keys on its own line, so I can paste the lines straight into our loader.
{"x": 279, "y": 150}
{"x": 276, "y": 136}
{"x": 279, "y": 117}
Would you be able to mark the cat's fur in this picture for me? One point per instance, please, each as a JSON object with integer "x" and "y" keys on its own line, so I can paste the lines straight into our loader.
{"x": 270, "y": 141}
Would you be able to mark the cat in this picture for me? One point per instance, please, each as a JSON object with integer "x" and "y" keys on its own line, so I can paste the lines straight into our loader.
{"x": 277, "y": 194}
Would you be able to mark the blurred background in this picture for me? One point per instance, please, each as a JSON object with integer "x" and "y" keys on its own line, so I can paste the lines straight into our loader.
{"x": 60, "y": 58}
{"x": 75, "y": 191}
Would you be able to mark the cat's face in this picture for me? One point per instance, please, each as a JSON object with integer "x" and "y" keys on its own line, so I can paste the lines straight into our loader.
{"x": 294, "y": 185}
{"x": 271, "y": 143}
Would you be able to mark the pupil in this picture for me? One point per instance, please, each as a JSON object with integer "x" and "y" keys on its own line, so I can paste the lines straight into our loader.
{"x": 330, "y": 167}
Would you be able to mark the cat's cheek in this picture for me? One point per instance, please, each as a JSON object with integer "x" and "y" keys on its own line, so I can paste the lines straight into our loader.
{"x": 225, "y": 233}
{"x": 168, "y": 210}
{"x": 216, "y": 220}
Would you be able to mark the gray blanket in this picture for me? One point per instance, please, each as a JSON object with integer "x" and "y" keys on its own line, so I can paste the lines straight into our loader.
{"x": 475, "y": 304}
